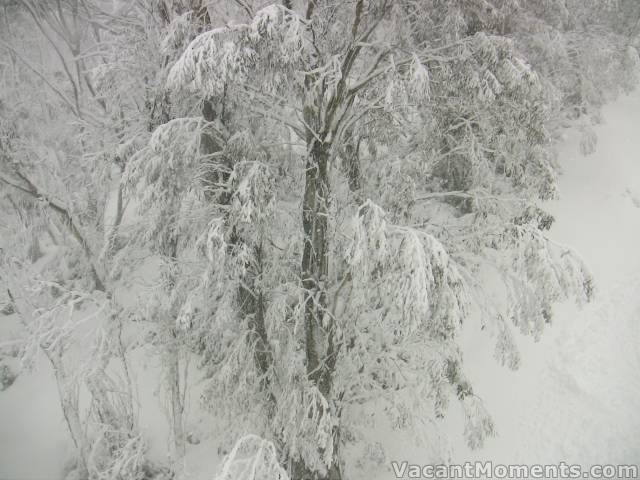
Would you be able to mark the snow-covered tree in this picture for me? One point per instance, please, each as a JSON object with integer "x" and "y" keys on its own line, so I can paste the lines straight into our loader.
{"x": 64, "y": 142}
{"x": 314, "y": 300}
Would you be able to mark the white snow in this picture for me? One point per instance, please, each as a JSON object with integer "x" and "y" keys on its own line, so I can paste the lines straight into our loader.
{"x": 576, "y": 397}
{"x": 34, "y": 442}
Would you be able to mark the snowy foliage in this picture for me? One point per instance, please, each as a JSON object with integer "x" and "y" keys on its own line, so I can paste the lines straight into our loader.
{"x": 415, "y": 270}
{"x": 252, "y": 458}
{"x": 227, "y": 54}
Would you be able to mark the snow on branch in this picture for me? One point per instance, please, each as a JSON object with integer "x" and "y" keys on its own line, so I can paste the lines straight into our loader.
{"x": 420, "y": 277}
{"x": 308, "y": 426}
{"x": 478, "y": 423}
{"x": 209, "y": 62}
{"x": 173, "y": 145}
{"x": 161, "y": 173}
{"x": 226, "y": 54}
{"x": 253, "y": 199}
{"x": 252, "y": 458}
{"x": 171, "y": 154}
{"x": 419, "y": 79}
{"x": 545, "y": 273}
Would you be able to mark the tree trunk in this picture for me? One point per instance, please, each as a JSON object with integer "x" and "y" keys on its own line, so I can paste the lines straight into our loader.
{"x": 112, "y": 235}
{"x": 171, "y": 346}
{"x": 352, "y": 154}
{"x": 177, "y": 405}
{"x": 319, "y": 334}
{"x": 70, "y": 410}
{"x": 315, "y": 265}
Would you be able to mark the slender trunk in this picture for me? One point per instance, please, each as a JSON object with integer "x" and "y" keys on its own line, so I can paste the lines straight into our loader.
{"x": 122, "y": 353}
{"x": 117, "y": 220}
{"x": 70, "y": 410}
{"x": 171, "y": 352}
{"x": 352, "y": 154}
{"x": 176, "y": 399}
{"x": 252, "y": 306}
{"x": 319, "y": 331}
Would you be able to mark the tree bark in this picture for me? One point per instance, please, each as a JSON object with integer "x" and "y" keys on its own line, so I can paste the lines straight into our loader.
{"x": 319, "y": 331}
{"x": 70, "y": 410}
{"x": 352, "y": 154}
{"x": 315, "y": 265}
{"x": 112, "y": 235}
{"x": 176, "y": 399}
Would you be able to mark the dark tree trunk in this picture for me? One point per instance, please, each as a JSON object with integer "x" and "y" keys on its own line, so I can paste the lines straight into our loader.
{"x": 352, "y": 159}
{"x": 319, "y": 335}
{"x": 315, "y": 261}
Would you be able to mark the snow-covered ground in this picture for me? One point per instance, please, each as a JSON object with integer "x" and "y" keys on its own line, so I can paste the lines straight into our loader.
{"x": 576, "y": 397}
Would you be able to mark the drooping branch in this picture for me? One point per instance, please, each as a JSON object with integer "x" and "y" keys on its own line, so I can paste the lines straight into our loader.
{"x": 67, "y": 219}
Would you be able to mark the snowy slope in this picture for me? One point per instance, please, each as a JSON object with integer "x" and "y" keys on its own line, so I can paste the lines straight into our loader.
{"x": 576, "y": 397}
{"x": 34, "y": 442}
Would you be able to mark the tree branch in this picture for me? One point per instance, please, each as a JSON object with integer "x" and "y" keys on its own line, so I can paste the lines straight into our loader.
{"x": 42, "y": 77}
{"x": 34, "y": 192}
